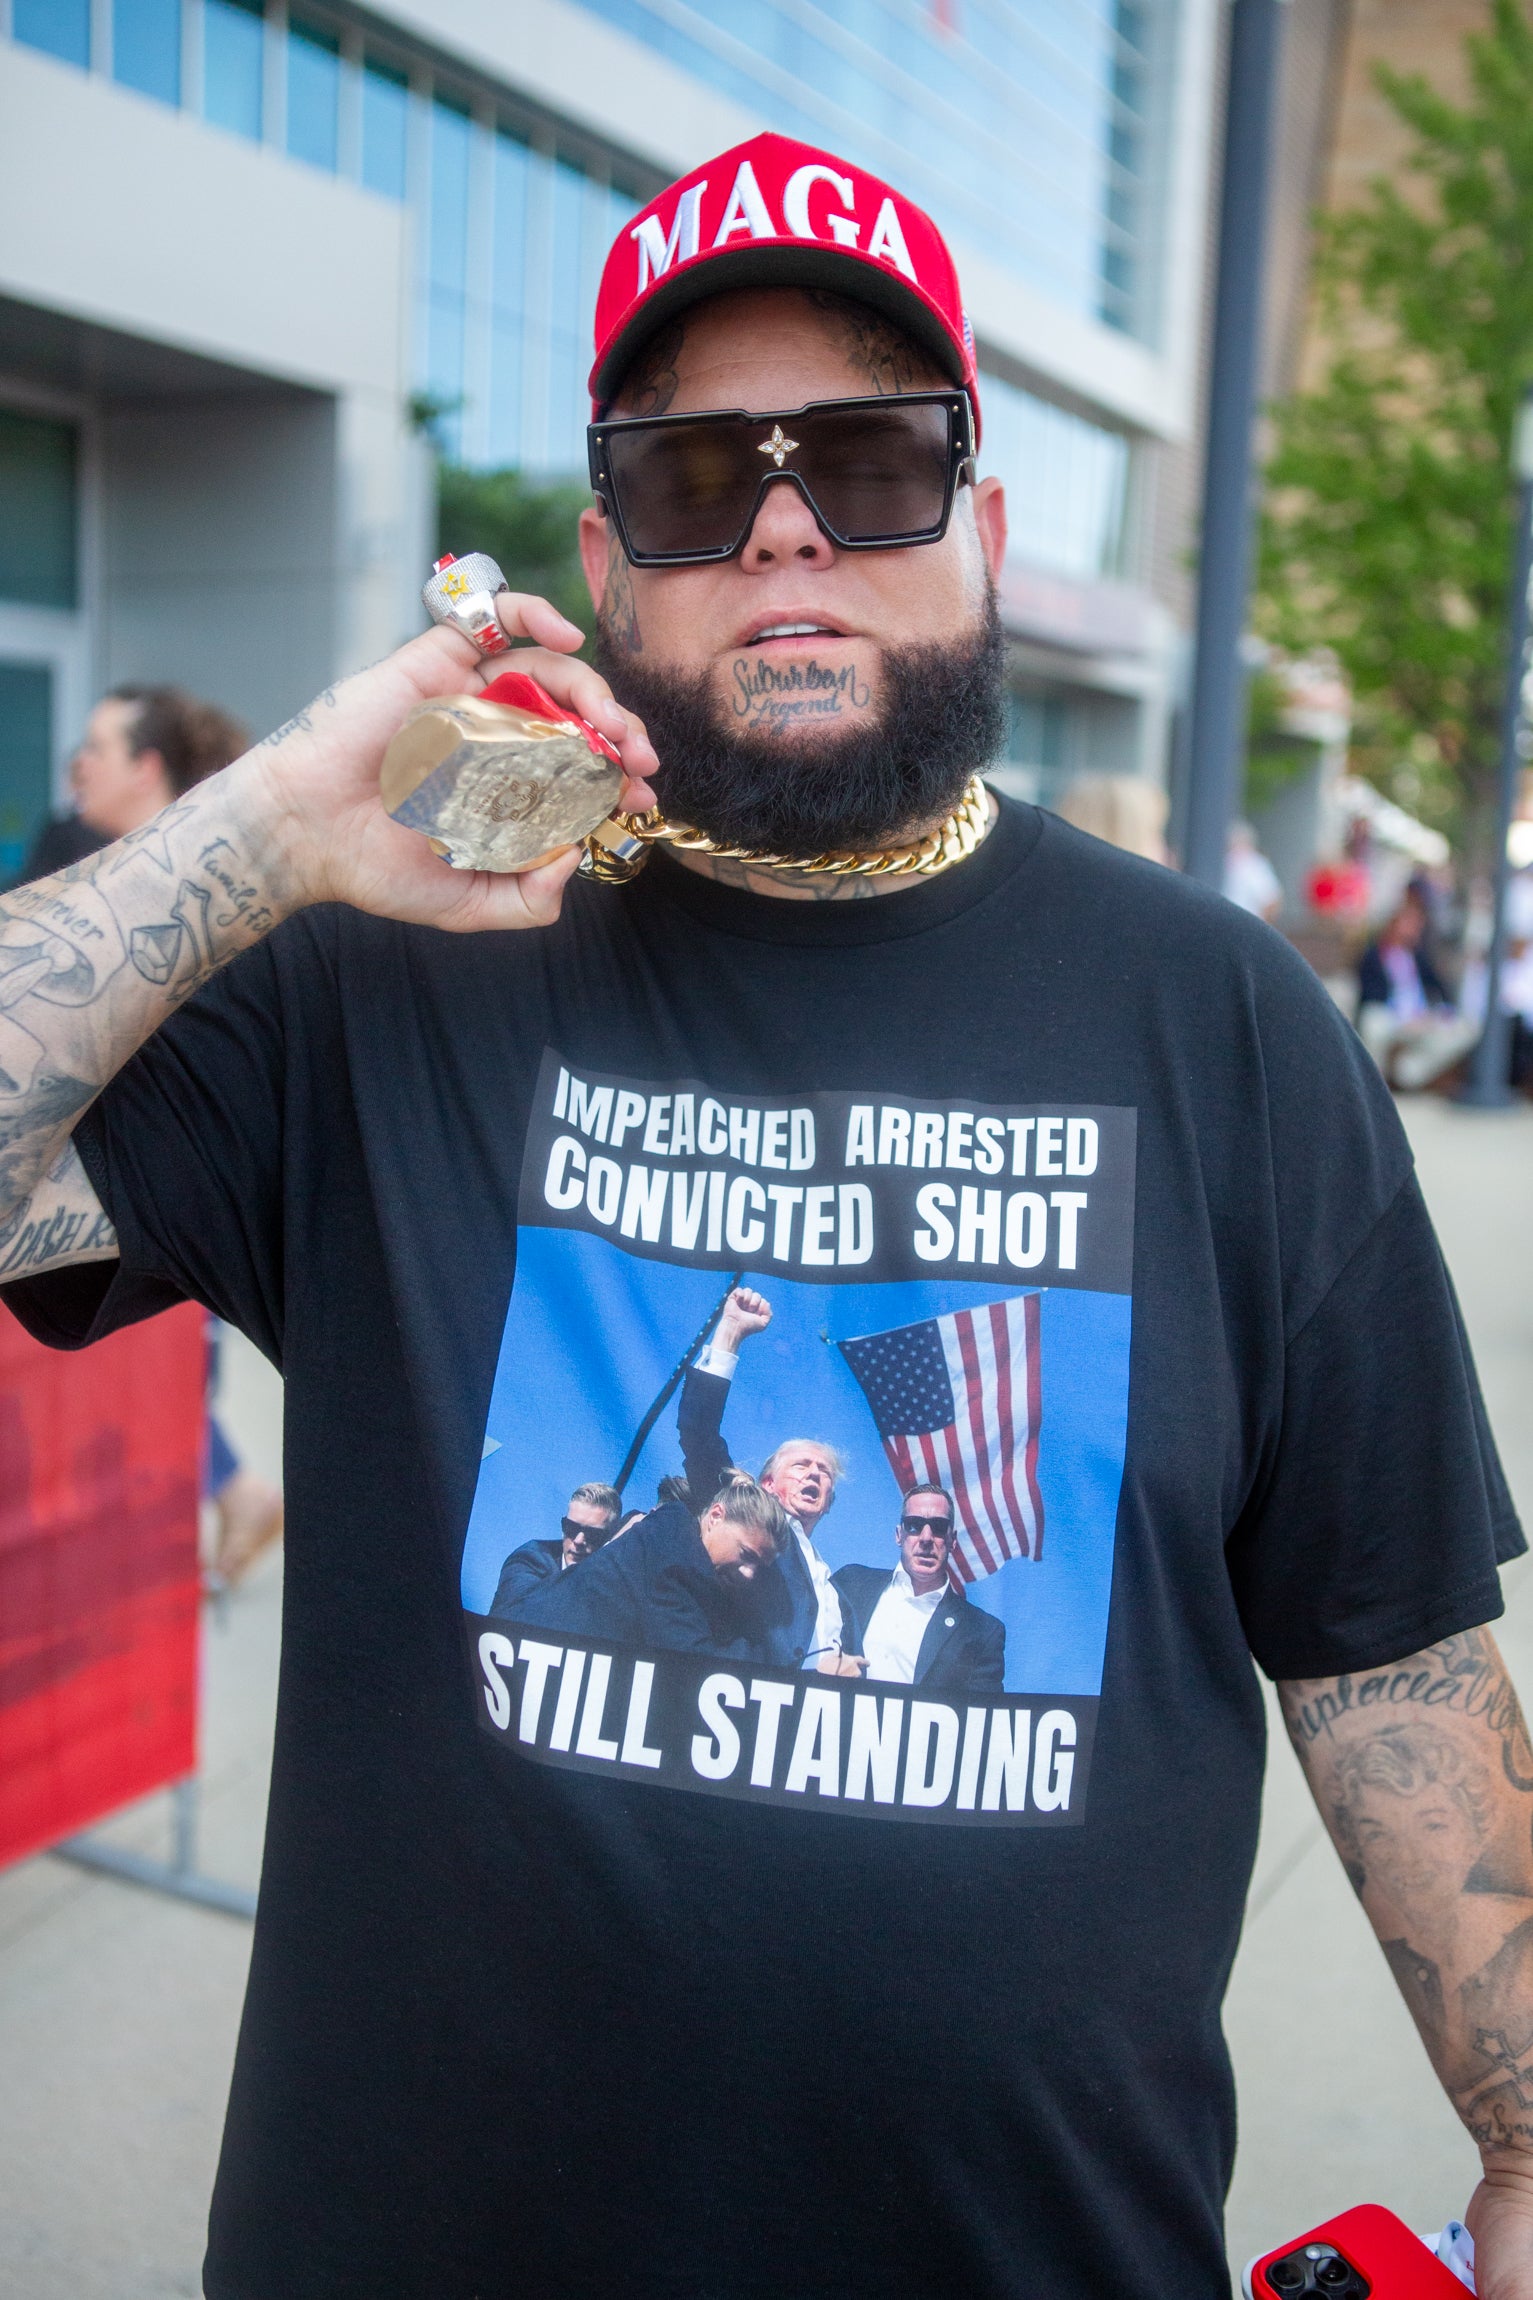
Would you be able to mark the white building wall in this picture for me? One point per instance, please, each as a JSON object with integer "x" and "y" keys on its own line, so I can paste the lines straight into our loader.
{"x": 253, "y": 544}
{"x": 219, "y": 574}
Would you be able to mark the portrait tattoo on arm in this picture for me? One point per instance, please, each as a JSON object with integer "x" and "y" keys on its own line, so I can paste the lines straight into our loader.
{"x": 1423, "y": 1772}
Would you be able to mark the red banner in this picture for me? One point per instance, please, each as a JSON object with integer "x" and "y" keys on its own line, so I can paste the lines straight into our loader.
{"x": 99, "y": 1473}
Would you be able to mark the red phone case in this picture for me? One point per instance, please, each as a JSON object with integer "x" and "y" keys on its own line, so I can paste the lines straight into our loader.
{"x": 1392, "y": 2257}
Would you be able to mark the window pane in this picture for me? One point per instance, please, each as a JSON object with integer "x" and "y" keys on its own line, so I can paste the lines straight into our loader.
{"x": 449, "y": 196}
{"x": 1066, "y": 480}
{"x": 313, "y": 92}
{"x": 26, "y": 758}
{"x": 62, "y": 27}
{"x": 232, "y": 34}
{"x": 37, "y": 510}
{"x": 447, "y": 250}
{"x": 146, "y": 47}
{"x": 385, "y": 105}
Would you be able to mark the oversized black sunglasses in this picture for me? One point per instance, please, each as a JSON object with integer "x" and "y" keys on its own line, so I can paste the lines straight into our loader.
{"x": 941, "y": 1526}
{"x": 594, "y": 1536}
{"x": 875, "y": 472}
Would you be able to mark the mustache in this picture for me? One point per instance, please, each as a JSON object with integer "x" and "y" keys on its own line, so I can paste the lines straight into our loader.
{"x": 803, "y": 758}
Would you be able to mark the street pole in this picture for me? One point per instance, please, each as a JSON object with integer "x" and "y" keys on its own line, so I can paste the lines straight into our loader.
{"x": 1224, "y": 562}
{"x": 1489, "y": 1083}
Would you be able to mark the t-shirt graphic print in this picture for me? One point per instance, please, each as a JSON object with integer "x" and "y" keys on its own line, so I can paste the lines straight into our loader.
{"x": 944, "y": 1299}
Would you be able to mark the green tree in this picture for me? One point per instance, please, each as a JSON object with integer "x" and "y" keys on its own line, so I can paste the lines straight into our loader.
{"x": 530, "y": 529}
{"x": 1387, "y": 531}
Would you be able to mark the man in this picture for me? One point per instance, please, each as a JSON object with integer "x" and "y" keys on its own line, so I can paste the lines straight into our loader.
{"x": 914, "y": 1626}
{"x": 674, "y": 1584}
{"x": 1249, "y": 878}
{"x": 1405, "y": 1013}
{"x": 508, "y": 2019}
{"x": 587, "y": 1526}
{"x": 142, "y": 748}
{"x": 799, "y": 1608}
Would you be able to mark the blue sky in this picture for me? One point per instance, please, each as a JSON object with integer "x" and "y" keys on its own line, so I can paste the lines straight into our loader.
{"x": 591, "y": 1333}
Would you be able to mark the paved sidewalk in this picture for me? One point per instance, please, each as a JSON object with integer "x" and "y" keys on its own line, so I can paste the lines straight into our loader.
{"x": 118, "y": 2010}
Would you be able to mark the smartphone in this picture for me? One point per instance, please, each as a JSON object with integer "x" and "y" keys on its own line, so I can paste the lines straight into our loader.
{"x": 1364, "y": 2254}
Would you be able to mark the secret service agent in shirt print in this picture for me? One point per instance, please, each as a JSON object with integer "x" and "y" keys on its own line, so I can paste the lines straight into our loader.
{"x": 914, "y": 1626}
{"x": 589, "y": 1523}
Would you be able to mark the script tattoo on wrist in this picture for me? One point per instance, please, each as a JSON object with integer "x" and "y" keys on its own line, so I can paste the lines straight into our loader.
{"x": 1424, "y": 1773}
{"x": 63, "y": 1222}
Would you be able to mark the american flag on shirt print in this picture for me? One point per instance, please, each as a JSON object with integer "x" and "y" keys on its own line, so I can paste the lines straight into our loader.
{"x": 957, "y": 1401}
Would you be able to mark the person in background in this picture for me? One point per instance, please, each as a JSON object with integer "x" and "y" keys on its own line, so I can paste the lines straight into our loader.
{"x": 248, "y": 1512}
{"x": 142, "y": 747}
{"x": 1517, "y": 976}
{"x": 1406, "y": 1016}
{"x": 1249, "y": 879}
{"x": 1128, "y": 811}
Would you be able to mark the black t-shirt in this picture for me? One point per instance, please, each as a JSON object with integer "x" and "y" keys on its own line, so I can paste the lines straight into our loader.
{"x": 623, "y": 1951}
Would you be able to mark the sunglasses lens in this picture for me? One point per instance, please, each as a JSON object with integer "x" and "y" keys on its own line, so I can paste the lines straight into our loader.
{"x": 684, "y": 490}
{"x": 876, "y": 471}
{"x": 874, "y": 474}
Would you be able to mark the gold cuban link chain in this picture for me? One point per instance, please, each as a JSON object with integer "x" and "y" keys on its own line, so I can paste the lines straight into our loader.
{"x": 618, "y": 849}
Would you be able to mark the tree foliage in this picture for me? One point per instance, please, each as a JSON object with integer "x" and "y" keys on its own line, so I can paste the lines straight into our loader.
{"x": 1388, "y": 527}
{"x": 530, "y": 529}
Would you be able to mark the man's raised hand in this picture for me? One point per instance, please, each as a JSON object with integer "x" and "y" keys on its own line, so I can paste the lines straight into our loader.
{"x": 313, "y": 784}
{"x": 745, "y": 1313}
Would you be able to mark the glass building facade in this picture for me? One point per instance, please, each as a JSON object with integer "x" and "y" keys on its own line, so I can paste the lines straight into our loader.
{"x": 1027, "y": 126}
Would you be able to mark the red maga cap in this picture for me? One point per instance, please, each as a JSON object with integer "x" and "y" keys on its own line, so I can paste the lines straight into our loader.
{"x": 773, "y": 213}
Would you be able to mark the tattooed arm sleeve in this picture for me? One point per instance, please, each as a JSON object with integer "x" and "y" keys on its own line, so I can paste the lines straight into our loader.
{"x": 92, "y": 961}
{"x": 1423, "y": 1773}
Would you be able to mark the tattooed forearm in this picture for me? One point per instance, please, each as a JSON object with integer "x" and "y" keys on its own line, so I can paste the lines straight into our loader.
{"x": 1424, "y": 1774}
{"x": 91, "y": 962}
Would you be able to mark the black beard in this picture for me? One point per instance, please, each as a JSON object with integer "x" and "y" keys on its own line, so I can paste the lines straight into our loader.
{"x": 868, "y": 778}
